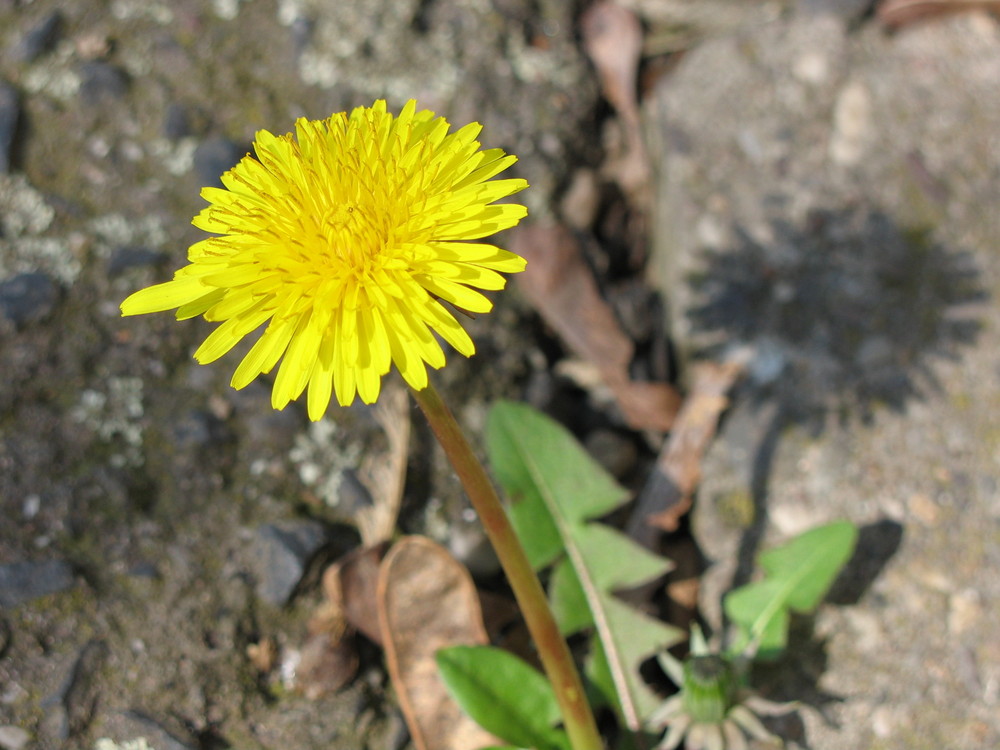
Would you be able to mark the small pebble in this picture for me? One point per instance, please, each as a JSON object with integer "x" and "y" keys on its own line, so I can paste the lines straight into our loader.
{"x": 964, "y": 610}
{"x": 32, "y": 504}
{"x": 866, "y": 631}
{"x": 27, "y": 298}
{"x": 177, "y": 122}
{"x": 126, "y": 258}
{"x": 81, "y": 691}
{"x": 811, "y": 67}
{"x": 10, "y": 117}
{"x": 157, "y": 737}
{"x": 100, "y": 80}
{"x": 281, "y": 553}
{"x": 214, "y": 156}
{"x": 924, "y": 509}
{"x": 886, "y": 721}
{"x": 851, "y": 124}
{"x": 40, "y": 39}
{"x": 792, "y": 519}
{"x": 303, "y": 30}
{"x": 848, "y": 10}
{"x": 23, "y": 581}
{"x": 13, "y": 738}
{"x": 196, "y": 430}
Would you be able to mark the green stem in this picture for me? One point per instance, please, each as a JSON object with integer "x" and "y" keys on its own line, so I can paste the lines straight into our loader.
{"x": 552, "y": 649}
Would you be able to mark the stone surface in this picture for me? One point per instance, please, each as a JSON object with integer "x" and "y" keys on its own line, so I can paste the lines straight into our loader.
{"x": 126, "y": 258}
{"x": 27, "y": 298}
{"x": 131, "y": 724}
{"x": 24, "y": 581}
{"x": 823, "y": 217}
{"x": 216, "y": 155}
{"x": 283, "y": 552}
{"x": 40, "y": 38}
{"x": 10, "y": 119}
{"x": 101, "y": 80}
{"x": 13, "y": 738}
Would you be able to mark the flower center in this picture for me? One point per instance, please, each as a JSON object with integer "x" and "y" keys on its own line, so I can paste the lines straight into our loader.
{"x": 351, "y": 239}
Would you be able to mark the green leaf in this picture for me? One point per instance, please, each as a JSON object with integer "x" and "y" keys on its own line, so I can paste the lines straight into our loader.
{"x": 798, "y": 575}
{"x": 557, "y": 489}
{"x": 504, "y": 695}
{"x": 573, "y": 478}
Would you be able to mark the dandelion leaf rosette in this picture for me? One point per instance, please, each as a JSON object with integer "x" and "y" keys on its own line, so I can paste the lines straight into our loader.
{"x": 343, "y": 240}
{"x": 556, "y": 492}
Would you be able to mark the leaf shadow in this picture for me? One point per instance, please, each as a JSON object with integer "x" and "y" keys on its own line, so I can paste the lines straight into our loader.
{"x": 844, "y": 315}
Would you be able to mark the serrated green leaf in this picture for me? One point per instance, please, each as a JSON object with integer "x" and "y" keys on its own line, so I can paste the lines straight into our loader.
{"x": 616, "y": 561}
{"x": 516, "y": 430}
{"x": 799, "y": 574}
{"x": 504, "y": 695}
{"x": 557, "y": 490}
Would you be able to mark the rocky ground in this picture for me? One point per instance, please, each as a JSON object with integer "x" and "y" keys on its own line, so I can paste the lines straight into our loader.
{"x": 825, "y": 194}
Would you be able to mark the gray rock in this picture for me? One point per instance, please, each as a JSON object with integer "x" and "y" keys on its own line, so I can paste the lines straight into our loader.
{"x": 138, "y": 724}
{"x": 27, "y": 298}
{"x": 40, "y": 38}
{"x": 176, "y": 121}
{"x": 848, "y": 10}
{"x": 215, "y": 155}
{"x": 23, "y": 581}
{"x": 13, "y": 738}
{"x": 126, "y": 258}
{"x": 100, "y": 80}
{"x": 10, "y": 117}
{"x": 281, "y": 554}
{"x": 69, "y": 711}
{"x": 196, "y": 430}
{"x": 805, "y": 153}
{"x": 81, "y": 693}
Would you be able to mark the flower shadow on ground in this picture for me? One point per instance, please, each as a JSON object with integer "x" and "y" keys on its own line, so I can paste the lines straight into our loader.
{"x": 845, "y": 315}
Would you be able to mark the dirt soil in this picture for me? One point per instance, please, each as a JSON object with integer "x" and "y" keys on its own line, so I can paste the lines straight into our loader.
{"x": 825, "y": 197}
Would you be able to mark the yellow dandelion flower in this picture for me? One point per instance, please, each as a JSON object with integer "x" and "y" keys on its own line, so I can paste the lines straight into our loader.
{"x": 345, "y": 239}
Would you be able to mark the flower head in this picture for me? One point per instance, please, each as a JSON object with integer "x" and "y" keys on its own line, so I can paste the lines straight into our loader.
{"x": 345, "y": 239}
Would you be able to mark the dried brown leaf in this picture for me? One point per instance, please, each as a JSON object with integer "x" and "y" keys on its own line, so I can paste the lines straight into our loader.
{"x": 561, "y": 287}
{"x": 667, "y": 495}
{"x": 427, "y": 601}
{"x": 612, "y": 37}
{"x": 350, "y": 585}
{"x": 898, "y": 13}
{"x": 384, "y": 473}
